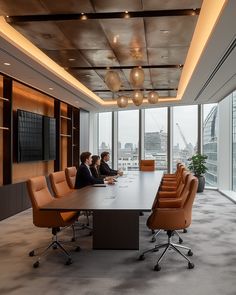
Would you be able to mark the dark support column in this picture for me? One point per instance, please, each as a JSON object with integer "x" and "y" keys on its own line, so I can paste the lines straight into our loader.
{"x": 69, "y": 139}
{"x": 7, "y": 133}
{"x": 169, "y": 139}
{"x": 57, "y": 115}
{"x": 199, "y": 139}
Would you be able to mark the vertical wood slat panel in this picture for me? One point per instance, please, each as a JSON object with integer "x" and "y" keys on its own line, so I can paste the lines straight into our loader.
{"x": 70, "y": 139}
{"x": 57, "y": 115}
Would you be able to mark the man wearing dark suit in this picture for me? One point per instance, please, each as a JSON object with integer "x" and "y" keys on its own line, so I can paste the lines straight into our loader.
{"x": 84, "y": 176}
{"x": 104, "y": 167}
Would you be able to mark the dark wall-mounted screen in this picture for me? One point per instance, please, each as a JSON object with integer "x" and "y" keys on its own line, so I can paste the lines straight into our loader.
{"x": 36, "y": 137}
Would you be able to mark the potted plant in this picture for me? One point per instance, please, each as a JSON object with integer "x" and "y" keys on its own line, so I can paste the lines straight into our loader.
{"x": 198, "y": 167}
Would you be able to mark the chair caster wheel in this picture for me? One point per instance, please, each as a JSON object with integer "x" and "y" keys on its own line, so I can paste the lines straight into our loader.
{"x": 54, "y": 247}
{"x": 69, "y": 261}
{"x": 153, "y": 240}
{"x": 36, "y": 264}
{"x": 141, "y": 257}
{"x": 157, "y": 267}
{"x": 77, "y": 249}
{"x": 185, "y": 231}
{"x": 31, "y": 253}
{"x": 90, "y": 234}
{"x": 73, "y": 240}
{"x": 153, "y": 231}
{"x": 190, "y": 253}
{"x": 180, "y": 241}
{"x": 190, "y": 265}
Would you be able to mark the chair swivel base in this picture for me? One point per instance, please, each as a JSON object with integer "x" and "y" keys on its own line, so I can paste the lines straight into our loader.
{"x": 153, "y": 239}
{"x": 55, "y": 244}
{"x": 167, "y": 246}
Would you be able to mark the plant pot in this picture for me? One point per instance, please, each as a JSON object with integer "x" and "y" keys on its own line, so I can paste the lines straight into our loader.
{"x": 201, "y": 184}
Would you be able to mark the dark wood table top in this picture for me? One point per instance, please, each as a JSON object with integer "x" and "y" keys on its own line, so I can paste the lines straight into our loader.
{"x": 133, "y": 191}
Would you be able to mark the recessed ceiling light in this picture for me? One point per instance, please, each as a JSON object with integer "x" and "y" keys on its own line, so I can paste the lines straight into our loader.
{"x": 126, "y": 14}
{"x": 50, "y": 88}
{"x": 71, "y": 59}
{"x": 6, "y": 64}
{"x": 165, "y": 31}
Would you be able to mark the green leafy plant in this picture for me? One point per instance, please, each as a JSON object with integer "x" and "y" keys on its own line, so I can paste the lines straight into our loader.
{"x": 197, "y": 164}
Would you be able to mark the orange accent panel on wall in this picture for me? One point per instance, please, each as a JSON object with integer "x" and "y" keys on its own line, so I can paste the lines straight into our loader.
{"x": 1, "y": 132}
{"x": 31, "y": 100}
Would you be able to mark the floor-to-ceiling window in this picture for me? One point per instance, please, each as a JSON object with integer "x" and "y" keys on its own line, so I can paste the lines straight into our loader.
{"x": 128, "y": 140}
{"x": 155, "y": 137}
{"x": 234, "y": 140}
{"x": 105, "y": 133}
{"x": 185, "y": 123}
{"x": 209, "y": 142}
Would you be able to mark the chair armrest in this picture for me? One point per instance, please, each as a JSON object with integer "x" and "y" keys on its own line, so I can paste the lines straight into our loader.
{"x": 167, "y": 194}
{"x": 169, "y": 203}
{"x": 165, "y": 188}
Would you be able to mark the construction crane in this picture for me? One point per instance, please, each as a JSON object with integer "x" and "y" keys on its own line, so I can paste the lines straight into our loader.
{"x": 182, "y": 135}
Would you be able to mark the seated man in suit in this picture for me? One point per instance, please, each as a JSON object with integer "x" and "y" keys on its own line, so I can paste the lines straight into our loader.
{"x": 84, "y": 176}
{"x": 104, "y": 167}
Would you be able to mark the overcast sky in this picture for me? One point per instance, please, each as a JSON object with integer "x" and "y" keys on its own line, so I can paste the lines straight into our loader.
{"x": 155, "y": 120}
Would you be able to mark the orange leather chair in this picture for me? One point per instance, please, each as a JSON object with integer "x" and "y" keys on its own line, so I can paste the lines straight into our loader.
{"x": 173, "y": 175}
{"x": 147, "y": 165}
{"x": 172, "y": 184}
{"x": 61, "y": 188}
{"x": 59, "y": 184}
{"x": 39, "y": 196}
{"x": 71, "y": 176}
{"x": 176, "y": 217}
{"x": 167, "y": 198}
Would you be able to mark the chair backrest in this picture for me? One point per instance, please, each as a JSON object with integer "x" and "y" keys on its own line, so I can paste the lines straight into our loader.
{"x": 147, "y": 165}
{"x": 39, "y": 196}
{"x": 183, "y": 182}
{"x": 188, "y": 205}
{"x": 59, "y": 184}
{"x": 71, "y": 176}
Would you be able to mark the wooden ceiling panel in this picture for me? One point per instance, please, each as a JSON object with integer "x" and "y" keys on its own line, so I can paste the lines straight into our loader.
{"x": 171, "y": 4}
{"x": 90, "y": 79}
{"x": 85, "y": 34}
{"x": 169, "y": 31}
{"x": 68, "y": 6}
{"x": 68, "y": 58}
{"x": 168, "y": 55}
{"x": 165, "y": 77}
{"x": 22, "y": 7}
{"x": 117, "y": 6}
{"x": 131, "y": 56}
{"x": 103, "y": 58}
{"x": 128, "y": 33}
{"x": 45, "y": 35}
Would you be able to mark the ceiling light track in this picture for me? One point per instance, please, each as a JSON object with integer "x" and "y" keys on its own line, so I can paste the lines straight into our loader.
{"x": 128, "y": 67}
{"x": 101, "y": 15}
{"x": 143, "y": 89}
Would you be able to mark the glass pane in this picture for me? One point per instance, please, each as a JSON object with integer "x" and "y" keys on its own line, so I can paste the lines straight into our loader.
{"x": 234, "y": 140}
{"x": 210, "y": 137}
{"x": 184, "y": 133}
{"x": 155, "y": 137}
{"x": 128, "y": 137}
{"x": 105, "y": 134}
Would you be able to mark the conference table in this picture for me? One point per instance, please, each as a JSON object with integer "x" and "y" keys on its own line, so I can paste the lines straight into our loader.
{"x": 116, "y": 208}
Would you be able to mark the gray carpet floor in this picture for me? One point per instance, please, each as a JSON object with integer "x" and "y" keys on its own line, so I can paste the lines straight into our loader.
{"x": 212, "y": 237}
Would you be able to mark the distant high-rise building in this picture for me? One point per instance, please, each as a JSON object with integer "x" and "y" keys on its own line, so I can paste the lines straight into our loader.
{"x": 129, "y": 146}
{"x": 210, "y": 134}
